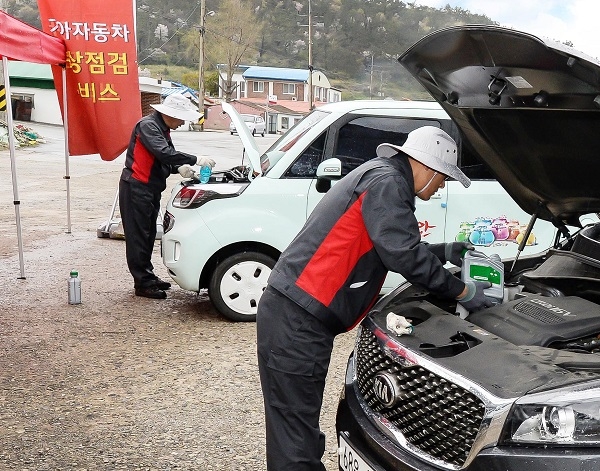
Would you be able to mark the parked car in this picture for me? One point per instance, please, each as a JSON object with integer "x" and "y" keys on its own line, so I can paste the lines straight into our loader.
{"x": 515, "y": 386}
{"x": 246, "y": 216}
{"x": 255, "y": 123}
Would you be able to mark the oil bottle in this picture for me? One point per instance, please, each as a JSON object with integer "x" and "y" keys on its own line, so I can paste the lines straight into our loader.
{"x": 477, "y": 266}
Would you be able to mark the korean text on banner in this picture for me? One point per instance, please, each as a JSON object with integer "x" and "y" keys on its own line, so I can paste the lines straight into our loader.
{"x": 103, "y": 96}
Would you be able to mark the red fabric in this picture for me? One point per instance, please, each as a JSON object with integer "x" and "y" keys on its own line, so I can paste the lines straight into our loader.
{"x": 21, "y": 42}
{"x": 103, "y": 95}
{"x": 347, "y": 241}
{"x": 142, "y": 162}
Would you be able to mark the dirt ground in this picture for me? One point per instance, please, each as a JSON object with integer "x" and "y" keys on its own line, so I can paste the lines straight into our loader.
{"x": 118, "y": 382}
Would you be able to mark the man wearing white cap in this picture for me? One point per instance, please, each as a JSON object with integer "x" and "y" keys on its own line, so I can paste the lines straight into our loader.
{"x": 331, "y": 274}
{"x": 150, "y": 159}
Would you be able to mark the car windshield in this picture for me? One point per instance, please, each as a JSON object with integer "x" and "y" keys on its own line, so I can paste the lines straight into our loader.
{"x": 285, "y": 142}
{"x": 247, "y": 118}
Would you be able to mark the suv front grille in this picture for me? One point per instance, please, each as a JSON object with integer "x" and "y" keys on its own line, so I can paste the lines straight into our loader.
{"x": 434, "y": 415}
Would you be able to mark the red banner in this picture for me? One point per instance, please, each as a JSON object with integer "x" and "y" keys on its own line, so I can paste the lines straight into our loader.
{"x": 103, "y": 95}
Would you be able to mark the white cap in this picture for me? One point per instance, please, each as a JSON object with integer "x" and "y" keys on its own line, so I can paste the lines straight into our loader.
{"x": 432, "y": 147}
{"x": 179, "y": 107}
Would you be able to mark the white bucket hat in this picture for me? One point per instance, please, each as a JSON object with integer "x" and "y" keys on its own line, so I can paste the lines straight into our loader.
{"x": 432, "y": 147}
{"x": 179, "y": 107}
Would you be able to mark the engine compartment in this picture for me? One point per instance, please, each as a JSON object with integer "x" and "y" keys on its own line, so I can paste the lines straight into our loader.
{"x": 555, "y": 303}
{"x": 555, "y": 322}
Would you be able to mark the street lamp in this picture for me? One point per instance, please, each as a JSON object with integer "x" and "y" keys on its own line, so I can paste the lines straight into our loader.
{"x": 202, "y": 30}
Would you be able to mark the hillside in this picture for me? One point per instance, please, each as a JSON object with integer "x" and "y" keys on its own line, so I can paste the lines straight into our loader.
{"x": 355, "y": 42}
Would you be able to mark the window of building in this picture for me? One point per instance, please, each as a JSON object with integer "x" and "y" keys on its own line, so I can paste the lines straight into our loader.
{"x": 258, "y": 87}
{"x": 289, "y": 88}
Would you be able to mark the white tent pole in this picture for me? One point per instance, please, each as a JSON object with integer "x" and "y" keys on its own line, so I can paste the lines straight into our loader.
{"x": 11, "y": 143}
{"x": 66, "y": 129}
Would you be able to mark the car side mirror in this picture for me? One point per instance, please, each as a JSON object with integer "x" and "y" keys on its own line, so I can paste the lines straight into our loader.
{"x": 328, "y": 170}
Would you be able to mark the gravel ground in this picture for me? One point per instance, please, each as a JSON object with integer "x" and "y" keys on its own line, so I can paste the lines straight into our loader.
{"x": 117, "y": 382}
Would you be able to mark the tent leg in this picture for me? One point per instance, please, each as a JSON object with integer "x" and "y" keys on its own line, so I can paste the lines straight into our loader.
{"x": 104, "y": 230}
{"x": 13, "y": 164}
{"x": 66, "y": 130}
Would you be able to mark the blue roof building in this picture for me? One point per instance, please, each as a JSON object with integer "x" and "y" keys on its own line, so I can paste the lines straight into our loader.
{"x": 276, "y": 74}
{"x": 283, "y": 84}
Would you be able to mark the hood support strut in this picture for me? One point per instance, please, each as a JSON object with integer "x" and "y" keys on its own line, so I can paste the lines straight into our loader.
{"x": 534, "y": 217}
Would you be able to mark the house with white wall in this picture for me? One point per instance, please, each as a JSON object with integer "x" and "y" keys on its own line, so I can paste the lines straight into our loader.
{"x": 280, "y": 94}
{"x": 34, "y": 97}
{"x": 256, "y": 82}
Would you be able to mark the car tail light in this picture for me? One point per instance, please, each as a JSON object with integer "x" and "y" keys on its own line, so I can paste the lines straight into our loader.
{"x": 190, "y": 197}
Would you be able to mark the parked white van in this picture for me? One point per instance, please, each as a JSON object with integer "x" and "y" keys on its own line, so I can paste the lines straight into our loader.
{"x": 226, "y": 235}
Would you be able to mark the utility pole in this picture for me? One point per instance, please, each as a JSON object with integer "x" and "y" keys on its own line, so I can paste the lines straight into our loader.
{"x": 310, "y": 55}
{"x": 371, "y": 79}
{"x": 201, "y": 64}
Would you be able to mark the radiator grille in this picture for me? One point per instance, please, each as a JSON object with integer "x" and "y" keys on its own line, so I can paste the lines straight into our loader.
{"x": 436, "y": 416}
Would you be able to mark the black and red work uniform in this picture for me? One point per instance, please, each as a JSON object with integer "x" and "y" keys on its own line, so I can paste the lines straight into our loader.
{"x": 150, "y": 159}
{"x": 323, "y": 284}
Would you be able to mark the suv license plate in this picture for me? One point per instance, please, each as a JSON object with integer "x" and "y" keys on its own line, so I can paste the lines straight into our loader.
{"x": 350, "y": 459}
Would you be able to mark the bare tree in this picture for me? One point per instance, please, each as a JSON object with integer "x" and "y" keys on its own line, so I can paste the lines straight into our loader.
{"x": 233, "y": 34}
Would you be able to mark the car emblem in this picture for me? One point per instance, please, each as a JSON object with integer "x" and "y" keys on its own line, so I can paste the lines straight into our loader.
{"x": 386, "y": 389}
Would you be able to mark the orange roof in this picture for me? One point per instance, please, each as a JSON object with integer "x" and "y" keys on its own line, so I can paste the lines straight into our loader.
{"x": 282, "y": 106}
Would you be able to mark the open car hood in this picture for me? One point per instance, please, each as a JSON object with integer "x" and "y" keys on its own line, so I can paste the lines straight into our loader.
{"x": 246, "y": 136}
{"x": 530, "y": 108}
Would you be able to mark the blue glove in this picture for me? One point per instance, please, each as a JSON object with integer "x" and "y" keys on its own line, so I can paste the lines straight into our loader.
{"x": 475, "y": 299}
{"x": 455, "y": 252}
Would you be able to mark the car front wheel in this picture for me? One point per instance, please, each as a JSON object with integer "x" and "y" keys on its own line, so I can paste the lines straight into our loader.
{"x": 238, "y": 283}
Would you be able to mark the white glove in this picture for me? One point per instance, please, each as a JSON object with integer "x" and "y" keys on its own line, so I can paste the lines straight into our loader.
{"x": 398, "y": 324}
{"x": 205, "y": 162}
{"x": 186, "y": 171}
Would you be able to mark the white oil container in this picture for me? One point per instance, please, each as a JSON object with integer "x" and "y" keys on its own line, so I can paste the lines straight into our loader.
{"x": 477, "y": 266}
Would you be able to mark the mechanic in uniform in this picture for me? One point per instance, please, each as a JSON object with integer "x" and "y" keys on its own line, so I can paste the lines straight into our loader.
{"x": 150, "y": 159}
{"x": 329, "y": 277}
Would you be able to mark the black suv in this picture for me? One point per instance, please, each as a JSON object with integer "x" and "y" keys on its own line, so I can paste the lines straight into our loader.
{"x": 515, "y": 386}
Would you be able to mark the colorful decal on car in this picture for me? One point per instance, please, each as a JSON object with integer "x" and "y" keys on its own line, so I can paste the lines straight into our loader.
{"x": 424, "y": 227}
{"x": 486, "y": 231}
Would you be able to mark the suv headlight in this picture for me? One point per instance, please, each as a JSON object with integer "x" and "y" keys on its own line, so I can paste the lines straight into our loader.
{"x": 568, "y": 416}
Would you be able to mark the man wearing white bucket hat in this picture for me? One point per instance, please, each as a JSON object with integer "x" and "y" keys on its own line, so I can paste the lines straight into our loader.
{"x": 151, "y": 157}
{"x": 331, "y": 274}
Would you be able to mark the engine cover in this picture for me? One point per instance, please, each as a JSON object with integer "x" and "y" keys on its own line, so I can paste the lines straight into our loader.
{"x": 539, "y": 320}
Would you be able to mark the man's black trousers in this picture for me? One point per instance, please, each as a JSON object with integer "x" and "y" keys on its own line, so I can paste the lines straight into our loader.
{"x": 139, "y": 207}
{"x": 294, "y": 350}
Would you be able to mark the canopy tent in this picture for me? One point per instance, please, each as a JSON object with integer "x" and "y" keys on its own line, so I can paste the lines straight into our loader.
{"x": 21, "y": 42}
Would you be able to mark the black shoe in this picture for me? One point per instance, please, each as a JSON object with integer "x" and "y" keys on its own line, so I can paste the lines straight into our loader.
{"x": 161, "y": 284}
{"x": 151, "y": 292}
